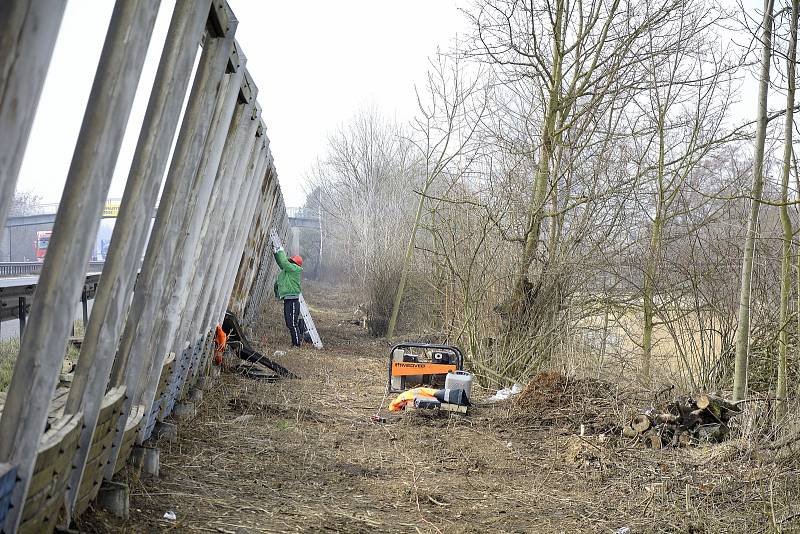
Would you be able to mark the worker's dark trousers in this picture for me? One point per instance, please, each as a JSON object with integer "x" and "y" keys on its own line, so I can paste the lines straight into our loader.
{"x": 291, "y": 313}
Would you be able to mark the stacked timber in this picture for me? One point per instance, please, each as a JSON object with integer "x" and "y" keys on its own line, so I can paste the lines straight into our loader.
{"x": 684, "y": 422}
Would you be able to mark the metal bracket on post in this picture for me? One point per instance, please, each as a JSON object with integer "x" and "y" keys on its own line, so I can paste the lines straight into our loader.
{"x": 23, "y": 314}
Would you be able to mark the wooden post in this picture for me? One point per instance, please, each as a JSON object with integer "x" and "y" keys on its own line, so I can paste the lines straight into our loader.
{"x": 237, "y": 204}
{"x": 230, "y": 257}
{"x": 23, "y": 313}
{"x": 238, "y": 147}
{"x": 255, "y": 245}
{"x": 103, "y": 329}
{"x": 247, "y": 167}
{"x": 261, "y": 266}
{"x": 212, "y": 231}
{"x": 260, "y": 288}
{"x": 27, "y": 40}
{"x": 244, "y": 167}
{"x": 234, "y": 249}
{"x": 84, "y": 308}
{"x": 64, "y": 271}
{"x": 230, "y": 261}
{"x": 187, "y": 244}
{"x": 140, "y": 324}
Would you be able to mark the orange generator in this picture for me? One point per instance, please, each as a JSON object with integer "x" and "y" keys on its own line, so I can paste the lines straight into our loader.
{"x": 422, "y": 364}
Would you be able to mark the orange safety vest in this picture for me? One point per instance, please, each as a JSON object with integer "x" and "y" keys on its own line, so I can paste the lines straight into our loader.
{"x": 407, "y": 397}
{"x": 219, "y": 339}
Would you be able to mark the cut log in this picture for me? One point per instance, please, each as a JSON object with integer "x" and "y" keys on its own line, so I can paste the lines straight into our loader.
{"x": 707, "y": 400}
{"x": 682, "y": 406}
{"x": 692, "y": 418}
{"x": 629, "y": 432}
{"x": 654, "y": 441}
{"x": 713, "y": 433}
{"x": 685, "y": 422}
{"x": 640, "y": 423}
{"x": 666, "y": 418}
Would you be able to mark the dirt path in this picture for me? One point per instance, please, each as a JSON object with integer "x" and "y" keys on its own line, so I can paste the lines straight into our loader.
{"x": 303, "y": 455}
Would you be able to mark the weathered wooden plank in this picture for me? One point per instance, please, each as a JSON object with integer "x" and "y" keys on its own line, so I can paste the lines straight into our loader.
{"x": 189, "y": 243}
{"x": 8, "y": 478}
{"x": 29, "y": 34}
{"x": 221, "y": 19}
{"x": 129, "y": 437}
{"x": 63, "y": 273}
{"x": 235, "y": 247}
{"x": 133, "y": 360}
{"x": 56, "y": 410}
{"x": 47, "y": 485}
{"x": 130, "y": 231}
{"x": 100, "y": 450}
{"x": 57, "y": 442}
{"x": 249, "y": 195}
{"x": 239, "y": 148}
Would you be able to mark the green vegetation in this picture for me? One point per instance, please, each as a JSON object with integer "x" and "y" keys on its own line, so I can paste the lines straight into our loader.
{"x": 9, "y": 349}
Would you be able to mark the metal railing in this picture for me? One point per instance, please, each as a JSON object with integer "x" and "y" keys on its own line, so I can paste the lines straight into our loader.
{"x": 27, "y": 268}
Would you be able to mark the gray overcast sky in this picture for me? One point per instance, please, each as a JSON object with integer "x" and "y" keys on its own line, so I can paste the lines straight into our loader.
{"x": 316, "y": 64}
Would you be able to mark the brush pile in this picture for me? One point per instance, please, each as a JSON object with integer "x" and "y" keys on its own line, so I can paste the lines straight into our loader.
{"x": 684, "y": 422}
{"x": 552, "y": 399}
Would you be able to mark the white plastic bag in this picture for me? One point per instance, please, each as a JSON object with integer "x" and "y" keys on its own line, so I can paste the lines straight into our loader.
{"x": 505, "y": 393}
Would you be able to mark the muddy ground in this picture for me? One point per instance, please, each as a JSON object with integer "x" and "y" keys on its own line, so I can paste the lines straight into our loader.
{"x": 304, "y": 456}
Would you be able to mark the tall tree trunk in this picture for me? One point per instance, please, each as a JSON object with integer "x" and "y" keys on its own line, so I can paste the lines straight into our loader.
{"x": 542, "y": 176}
{"x": 401, "y": 287}
{"x": 648, "y": 305}
{"x": 786, "y": 223}
{"x": 651, "y": 265}
{"x": 743, "y": 326}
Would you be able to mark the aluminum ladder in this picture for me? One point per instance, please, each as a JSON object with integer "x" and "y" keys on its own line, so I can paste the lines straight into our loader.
{"x": 304, "y": 313}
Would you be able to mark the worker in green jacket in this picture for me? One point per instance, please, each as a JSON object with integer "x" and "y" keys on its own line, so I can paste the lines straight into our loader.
{"x": 287, "y": 288}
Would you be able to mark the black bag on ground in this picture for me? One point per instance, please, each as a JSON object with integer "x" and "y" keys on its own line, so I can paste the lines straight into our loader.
{"x": 426, "y": 403}
{"x": 452, "y": 396}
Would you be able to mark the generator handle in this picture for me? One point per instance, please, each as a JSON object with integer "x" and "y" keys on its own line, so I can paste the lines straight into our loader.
{"x": 412, "y": 345}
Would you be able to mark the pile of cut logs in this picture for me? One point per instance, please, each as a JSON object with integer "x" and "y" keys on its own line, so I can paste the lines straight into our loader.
{"x": 686, "y": 421}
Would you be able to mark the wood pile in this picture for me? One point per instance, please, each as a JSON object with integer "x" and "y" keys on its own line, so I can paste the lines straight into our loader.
{"x": 684, "y": 422}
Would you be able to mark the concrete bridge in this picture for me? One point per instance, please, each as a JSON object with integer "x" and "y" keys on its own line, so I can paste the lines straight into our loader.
{"x": 295, "y": 221}
{"x": 148, "y": 343}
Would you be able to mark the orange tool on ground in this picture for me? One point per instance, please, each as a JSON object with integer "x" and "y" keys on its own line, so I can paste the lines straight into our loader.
{"x": 220, "y": 338}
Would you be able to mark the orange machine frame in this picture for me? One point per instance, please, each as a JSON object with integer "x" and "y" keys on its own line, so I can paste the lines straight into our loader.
{"x": 402, "y": 370}
{"x": 412, "y": 368}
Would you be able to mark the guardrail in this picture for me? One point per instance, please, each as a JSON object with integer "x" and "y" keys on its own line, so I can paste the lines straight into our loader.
{"x": 26, "y": 268}
{"x": 149, "y": 336}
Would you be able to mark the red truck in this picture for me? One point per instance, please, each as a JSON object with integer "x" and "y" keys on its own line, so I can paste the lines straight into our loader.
{"x": 42, "y": 241}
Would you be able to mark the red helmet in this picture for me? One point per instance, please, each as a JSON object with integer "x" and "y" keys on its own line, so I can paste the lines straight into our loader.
{"x": 297, "y": 259}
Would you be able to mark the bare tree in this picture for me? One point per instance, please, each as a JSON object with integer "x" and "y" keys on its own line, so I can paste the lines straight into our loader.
{"x": 583, "y": 58}
{"x": 682, "y": 117}
{"x": 786, "y": 223}
{"x": 743, "y": 327}
{"x": 442, "y": 131}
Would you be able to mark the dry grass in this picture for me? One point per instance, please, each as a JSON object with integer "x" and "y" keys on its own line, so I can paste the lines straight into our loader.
{"x": 303, "y": 455}
{"x": 9, "y": 348}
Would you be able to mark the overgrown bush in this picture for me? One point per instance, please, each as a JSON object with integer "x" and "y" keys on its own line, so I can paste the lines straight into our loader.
{"x": 381, "y": 286}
